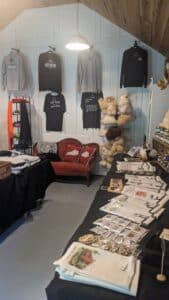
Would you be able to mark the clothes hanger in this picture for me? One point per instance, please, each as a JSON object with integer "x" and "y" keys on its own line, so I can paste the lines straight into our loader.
{"x": 53, "y": 49}
{"x": 15, "y": 49}
{"x": 135, "y": 44}
{"x": 54, "y": 93}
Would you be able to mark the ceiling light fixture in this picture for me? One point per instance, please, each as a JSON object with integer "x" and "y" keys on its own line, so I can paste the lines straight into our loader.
{"x": 78, "y": 42}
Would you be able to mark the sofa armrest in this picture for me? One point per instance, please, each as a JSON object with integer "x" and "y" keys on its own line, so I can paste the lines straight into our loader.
{"x": 51, "y": 156}
{"x": 91, "y": 160}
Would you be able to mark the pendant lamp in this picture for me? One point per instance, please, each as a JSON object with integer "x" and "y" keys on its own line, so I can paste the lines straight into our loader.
{"x": 78, "y": 42}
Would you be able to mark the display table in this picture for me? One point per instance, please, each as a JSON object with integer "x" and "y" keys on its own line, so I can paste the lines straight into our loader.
{"x": 149, "y": 288}
{"x": 19, "y": 193}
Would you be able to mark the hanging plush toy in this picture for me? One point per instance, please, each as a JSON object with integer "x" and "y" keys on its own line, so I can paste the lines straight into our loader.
{"x": 114, "y": 115}
{"x": 163, "y": 83}
{"x": 125, "y": 110}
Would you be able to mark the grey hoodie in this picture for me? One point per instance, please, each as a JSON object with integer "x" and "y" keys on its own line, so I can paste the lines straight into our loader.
{"x": 89, "y": 72}
{"x": 13, "y": 72}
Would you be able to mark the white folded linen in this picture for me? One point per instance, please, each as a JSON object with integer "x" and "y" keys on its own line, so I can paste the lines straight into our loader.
{"x": 94, "y": 266}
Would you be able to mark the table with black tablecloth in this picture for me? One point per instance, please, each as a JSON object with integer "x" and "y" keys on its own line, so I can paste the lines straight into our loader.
{"x": 19, "y": 193}
{"x": 149, "y": 288}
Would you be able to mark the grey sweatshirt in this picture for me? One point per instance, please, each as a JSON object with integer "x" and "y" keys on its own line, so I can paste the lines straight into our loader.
{"x": 89, "y": 72}
{"x": 13, "y": 73}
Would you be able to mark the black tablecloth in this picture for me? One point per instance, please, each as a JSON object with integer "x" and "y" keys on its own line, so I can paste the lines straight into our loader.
{"x": 149, "y": 288}
{"x": 19, "y": 193}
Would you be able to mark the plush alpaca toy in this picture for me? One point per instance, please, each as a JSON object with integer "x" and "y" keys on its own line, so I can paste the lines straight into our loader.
{"x": 104, "y": 103}
{"x": 108, "y": 120}
{"x": 125, "y": 110}
{"x": 163, "y": 83}
{"x": 117, "y": 145}
{"x": 124, "y": 105}
{"x": 108, "y": 150}
{"x": 124, "y": 119}
{"x": 108, "y": 109}
{"x": 165, "y": 121}
{"x": 103, "y": 130}
{"x": 114, "y": 115}
{"x": 106, "y": 156}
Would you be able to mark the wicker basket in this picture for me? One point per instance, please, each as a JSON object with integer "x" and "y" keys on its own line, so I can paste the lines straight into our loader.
{"x": 5, "y": 169}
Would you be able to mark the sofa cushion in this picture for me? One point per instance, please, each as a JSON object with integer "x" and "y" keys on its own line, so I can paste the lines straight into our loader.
{"x": 62, "y": 146}
{"x": 86, "y": 153}
{"x": 72, "y": 153}
{"x": 67, "y": 168}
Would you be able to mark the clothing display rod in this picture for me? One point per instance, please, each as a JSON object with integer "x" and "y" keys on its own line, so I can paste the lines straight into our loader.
{"x": 150, "y": 114}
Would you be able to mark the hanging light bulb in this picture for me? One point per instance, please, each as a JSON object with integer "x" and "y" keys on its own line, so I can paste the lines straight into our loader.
{"x": 78, "y": 42}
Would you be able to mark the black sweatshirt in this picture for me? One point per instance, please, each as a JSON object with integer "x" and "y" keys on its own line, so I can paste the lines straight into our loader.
{"x": 50, "y": 77}
{"x": 134, "y": 68}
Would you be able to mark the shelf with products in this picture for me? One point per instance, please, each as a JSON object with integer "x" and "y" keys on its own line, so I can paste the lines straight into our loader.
{"x": 19, "y": 125}
{"x": 162, "y": 147}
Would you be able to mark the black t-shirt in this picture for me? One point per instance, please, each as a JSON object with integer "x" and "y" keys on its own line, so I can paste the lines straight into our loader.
{"x": 54, "y": 107}
{"x": 50, "y": 75}
{"x": 91, "y": 109}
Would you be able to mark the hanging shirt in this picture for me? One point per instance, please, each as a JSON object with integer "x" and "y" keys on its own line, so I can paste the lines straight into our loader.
{"x": 50, "y": 72}
{"x": 13, "y": 72}
{"x": 91, "y": 109}
{"x": 54, "y": 107}
{"x": 89, "y": 72}
{"x": 134, "y": 68}
{"x": 25, "y": 139}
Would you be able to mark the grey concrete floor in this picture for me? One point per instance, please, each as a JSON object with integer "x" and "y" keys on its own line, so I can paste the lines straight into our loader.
{"x": 28, "y": 250}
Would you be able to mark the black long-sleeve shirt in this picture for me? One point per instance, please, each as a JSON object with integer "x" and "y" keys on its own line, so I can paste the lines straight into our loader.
{"x": 134, "y": 68}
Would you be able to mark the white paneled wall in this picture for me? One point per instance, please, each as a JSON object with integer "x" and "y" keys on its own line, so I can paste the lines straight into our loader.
{"x": 35, "y": 29}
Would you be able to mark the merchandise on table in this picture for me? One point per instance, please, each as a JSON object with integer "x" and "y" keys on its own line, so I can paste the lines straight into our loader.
{"x": 162, "y": 133}
{"x": 143, "y": 168}
{"x": 134, "y": 209}
{"x": 150, "y": 183}
{"x": 88, "y": 239}
{"x": 145, "y": 179}
{"x": 115, "y": 185}
{"x": 94, "y": 266}
{"x": 122, "y": 227}
{"x": 20, "y": 162}
{"x": 142, "y": 193}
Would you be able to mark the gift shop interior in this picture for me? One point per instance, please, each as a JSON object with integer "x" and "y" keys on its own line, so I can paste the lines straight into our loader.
{"x": 84, "y": 150}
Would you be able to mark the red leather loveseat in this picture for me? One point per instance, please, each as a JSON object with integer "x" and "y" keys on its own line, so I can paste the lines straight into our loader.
{"x": 75, "y": 158}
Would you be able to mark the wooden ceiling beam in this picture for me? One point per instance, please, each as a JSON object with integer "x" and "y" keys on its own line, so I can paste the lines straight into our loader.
{"x": 147, "y": 20}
